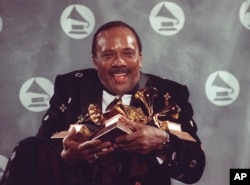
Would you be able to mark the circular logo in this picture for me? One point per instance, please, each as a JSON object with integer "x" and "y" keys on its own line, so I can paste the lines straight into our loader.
{"x": 3, "y": 164}
{"x": 167, "y": 18}
{"x": 77, "y": 21}
{"x": 1, "y": 24}
{"x": 222, "y": 88}
{"x": 35, "y": 94}
{"x": 245, "y": 14}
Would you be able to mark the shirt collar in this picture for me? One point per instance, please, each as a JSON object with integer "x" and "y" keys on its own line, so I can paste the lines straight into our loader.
{"x": 107, "y": 98}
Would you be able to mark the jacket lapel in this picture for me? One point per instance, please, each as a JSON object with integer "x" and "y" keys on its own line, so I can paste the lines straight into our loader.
{"x": 143, "y": 82}
{"x": 91, "y": 92}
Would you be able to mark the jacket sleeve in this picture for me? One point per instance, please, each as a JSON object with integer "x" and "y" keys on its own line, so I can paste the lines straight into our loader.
{"x": 185, "y": 160}
{"x": 53, "y": 120}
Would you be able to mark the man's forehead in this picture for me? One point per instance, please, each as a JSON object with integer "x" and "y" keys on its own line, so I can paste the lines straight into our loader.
{"x": 118, "y": 29}
{"x": 112, "y": 33}
{"x": 117, "y": 35}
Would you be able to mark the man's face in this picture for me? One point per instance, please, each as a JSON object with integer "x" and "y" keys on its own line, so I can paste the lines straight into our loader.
{"x": 117, "y": 60}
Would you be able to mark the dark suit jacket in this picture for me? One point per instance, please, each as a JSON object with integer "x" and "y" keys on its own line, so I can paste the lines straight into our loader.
{"x": 76, "y": 90}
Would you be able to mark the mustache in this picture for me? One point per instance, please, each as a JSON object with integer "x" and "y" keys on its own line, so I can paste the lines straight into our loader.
{"x": 117, "y": 70}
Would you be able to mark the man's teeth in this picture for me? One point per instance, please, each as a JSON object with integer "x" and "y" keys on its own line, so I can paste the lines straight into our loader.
{"x": 120, "y": 74}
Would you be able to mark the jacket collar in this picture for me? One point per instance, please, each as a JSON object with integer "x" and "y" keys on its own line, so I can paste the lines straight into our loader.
{"x": 91, "y": 90}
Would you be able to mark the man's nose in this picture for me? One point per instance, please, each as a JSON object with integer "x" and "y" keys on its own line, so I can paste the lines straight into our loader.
{"x": 119, "y": 61}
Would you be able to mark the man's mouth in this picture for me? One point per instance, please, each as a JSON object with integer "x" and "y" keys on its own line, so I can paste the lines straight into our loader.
{"x": 120, "y": 77}
{"x": 119, "y": 74}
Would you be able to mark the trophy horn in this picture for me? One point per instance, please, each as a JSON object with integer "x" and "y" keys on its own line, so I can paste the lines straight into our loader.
{"x": 147, "y": 96}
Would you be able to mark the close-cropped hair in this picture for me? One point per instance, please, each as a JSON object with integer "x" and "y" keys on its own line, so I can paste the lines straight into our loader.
{"x": 114, "y": 24}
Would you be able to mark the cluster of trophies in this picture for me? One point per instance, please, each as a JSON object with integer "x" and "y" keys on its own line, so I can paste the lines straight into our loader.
{"x": 147, "y": 97}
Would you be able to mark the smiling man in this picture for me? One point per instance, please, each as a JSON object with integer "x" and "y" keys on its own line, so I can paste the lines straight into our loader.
{"x": 117, "y": 59}
{"x": 151, "y": 154}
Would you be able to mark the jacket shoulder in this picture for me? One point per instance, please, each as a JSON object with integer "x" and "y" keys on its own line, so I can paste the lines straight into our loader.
{"x": 77, "y": 76}
{"x": 164, "y": 83}
{"x": 177, "y": 91}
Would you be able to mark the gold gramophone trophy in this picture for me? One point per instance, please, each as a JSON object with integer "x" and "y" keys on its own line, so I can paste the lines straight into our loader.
{"x": 110, "y": 121}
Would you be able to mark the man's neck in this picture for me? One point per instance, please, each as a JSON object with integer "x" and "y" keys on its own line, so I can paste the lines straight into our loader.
{"x": 107, "y": 98}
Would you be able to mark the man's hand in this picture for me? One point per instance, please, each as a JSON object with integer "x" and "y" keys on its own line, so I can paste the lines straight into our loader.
{"x": 143, "y": 140}
{"x": 88, "y": 151}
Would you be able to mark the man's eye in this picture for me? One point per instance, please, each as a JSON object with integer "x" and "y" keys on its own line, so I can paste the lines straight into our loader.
{"x": 129, "y": 53}
{"x": 107, "y": 55}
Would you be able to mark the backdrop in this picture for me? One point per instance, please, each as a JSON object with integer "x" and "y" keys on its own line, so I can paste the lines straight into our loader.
{"x": 203, "y": 44}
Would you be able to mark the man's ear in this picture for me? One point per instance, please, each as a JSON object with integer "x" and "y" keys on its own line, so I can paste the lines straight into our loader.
{"x": 94, "y": 61}
{"x": 140, "y": 64}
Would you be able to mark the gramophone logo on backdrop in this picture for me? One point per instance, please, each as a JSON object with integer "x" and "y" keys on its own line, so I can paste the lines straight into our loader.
{"x": 167, "y": 18}
{"x": 1, "y": 24}
{"x": 35, "y": 94}
{"x": 3, "y": 164}
{"x": 77, "y": 21}
{"x": 222, "y": 88}
{"x": 245, "y": 14}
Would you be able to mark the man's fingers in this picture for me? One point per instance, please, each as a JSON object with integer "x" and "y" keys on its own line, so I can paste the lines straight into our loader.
{"x": 95, "y": 147}
{"x": 88, "y": 144}
{"x": 130, "y": 124}
{"x": 71, "y": 135}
